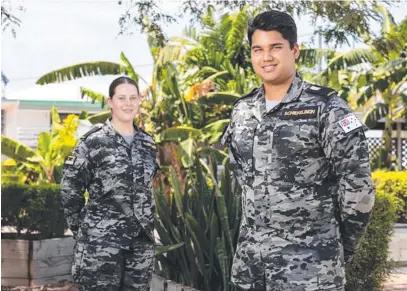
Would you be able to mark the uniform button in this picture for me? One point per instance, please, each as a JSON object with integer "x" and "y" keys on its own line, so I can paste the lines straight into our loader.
{"x": 85, "y": 225}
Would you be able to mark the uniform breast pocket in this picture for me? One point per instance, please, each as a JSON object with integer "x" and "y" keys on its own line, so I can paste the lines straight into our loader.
{"x": 295, "y": 137}
{"x": 242, "y": 142}
{"x": 296, "y": 150}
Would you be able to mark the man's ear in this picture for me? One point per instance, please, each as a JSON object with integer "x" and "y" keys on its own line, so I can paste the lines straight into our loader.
{"x": 296, "y": 51}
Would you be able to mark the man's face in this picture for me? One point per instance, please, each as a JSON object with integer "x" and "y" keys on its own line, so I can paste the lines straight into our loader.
{"x": 125, "y": 102}
{"x": 272, "y": 58}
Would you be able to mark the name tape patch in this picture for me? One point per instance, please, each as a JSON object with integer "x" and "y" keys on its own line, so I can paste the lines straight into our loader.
{"x": 300, "y": 113}
{"x": 350, "y": 123}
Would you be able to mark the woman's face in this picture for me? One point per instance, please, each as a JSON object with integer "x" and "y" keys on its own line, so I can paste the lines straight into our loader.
{"x": 125, "y": 103}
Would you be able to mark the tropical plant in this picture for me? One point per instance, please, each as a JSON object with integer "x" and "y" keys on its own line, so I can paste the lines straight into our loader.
{"x": 201, "y": 216}
{"x": 45, "y": 163}
{"x": 383, "y": 85}
{"x": 371, "y": 79}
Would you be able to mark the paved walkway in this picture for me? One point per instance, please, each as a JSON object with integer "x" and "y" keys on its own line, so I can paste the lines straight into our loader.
{"x": 397, "y": 280}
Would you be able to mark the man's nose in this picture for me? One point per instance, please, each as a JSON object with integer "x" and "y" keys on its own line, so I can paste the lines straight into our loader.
{"x": 267, "y": 56}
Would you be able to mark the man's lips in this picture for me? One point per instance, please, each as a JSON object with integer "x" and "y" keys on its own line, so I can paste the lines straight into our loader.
{"x": 269, "y": 68}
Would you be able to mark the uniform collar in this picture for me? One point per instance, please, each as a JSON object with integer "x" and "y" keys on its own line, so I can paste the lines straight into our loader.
{"x": 111, "y": 130}
{"x": 116, "y": 135}
{"x": 295, "y": 90}
{"x": 292, "y": 94}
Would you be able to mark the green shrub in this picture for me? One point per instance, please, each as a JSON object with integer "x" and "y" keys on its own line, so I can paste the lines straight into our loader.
{"x": 394, "y": 184}
{"x": 370, "y": 266}
{"x": 34, "y": 208}
{"x": 199, "y": 222}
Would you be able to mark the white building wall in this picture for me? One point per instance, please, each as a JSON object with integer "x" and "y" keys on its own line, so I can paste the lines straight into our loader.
{"x": 10, "y": 120}
{"x": 30, "y": 123}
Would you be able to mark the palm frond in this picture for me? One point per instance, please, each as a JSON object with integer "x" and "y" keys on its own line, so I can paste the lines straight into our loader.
{"x": 351, "y": 58}
{"x": 388, "y": 22}
{"x": 310, "y": 57}
{"x": 95, "y": 96}
{"x": 375, "y": 113}
{"x": 15, "y": 150}
{"x": 81, "y": 70}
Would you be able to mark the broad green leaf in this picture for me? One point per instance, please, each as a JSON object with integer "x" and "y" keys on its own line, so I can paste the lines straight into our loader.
{"x": 44, "y": 143}
{"x": 100, "y": 117}
{"x": 177, "y": 134}
{"x": 187, "y": 147}
{"x": 219, "y": 98}
{"x": 15, "y": 150}
{"x": 55, "y": 121}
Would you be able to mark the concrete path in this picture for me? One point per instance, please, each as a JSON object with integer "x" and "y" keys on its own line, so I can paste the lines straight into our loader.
{"x": 397, "y": 280}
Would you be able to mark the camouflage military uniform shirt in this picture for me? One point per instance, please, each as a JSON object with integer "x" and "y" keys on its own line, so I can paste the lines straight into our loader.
{"x": 307, "y": 192}
{"x": 120, "y": 211}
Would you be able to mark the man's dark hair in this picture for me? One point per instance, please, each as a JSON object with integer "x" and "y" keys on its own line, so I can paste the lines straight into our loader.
{"x": 274, "y": 20}
{"x": 119, "y": 81}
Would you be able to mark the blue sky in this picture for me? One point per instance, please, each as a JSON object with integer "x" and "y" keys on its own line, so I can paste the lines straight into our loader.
{"x": 58, "y": 33}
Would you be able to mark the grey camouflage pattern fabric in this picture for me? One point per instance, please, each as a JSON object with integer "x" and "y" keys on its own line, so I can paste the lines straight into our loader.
{"x": 307, "y": 192}
{"x": 118, "y": 178}
{"x": 116, "y": 269}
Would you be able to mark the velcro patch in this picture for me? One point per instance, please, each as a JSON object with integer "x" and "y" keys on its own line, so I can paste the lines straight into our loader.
{"x": 300, "y": 113}
{"x": 350, "y": 123}
{"x": 70, "y": 160}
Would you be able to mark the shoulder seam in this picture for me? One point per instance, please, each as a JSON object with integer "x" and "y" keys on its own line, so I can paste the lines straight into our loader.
{"x": 96, "y": 128}
{"x": 246, "y": 95}
{"x": 321, "y": 90}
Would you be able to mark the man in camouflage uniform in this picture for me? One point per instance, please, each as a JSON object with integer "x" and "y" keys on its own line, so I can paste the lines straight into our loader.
{"x": 301, "y": 158}
{"x": 114, "y": 231}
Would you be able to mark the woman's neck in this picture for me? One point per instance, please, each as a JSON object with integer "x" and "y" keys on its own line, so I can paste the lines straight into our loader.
{"x": 124, "y": 128}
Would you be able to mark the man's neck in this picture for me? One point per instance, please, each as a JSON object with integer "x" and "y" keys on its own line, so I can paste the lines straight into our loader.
{"x": 276, "y": 92}
{"x": 124, "y": 128}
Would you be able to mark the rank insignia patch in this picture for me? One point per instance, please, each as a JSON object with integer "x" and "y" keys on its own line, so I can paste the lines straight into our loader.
{"x": 70, "y": 160}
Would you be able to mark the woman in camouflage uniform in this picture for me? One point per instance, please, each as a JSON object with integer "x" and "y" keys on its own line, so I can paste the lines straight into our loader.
{"x": 115, "y": 163}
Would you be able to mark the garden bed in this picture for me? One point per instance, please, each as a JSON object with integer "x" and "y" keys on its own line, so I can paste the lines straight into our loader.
{"x": 31, "y": 262}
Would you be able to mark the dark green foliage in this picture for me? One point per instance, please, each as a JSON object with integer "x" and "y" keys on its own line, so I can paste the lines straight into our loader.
{"x": 370, "y": 266}
{"x": 203, "y": 212}
{"x": 35, "y": 208}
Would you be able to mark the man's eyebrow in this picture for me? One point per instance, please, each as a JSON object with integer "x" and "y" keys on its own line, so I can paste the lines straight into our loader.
{"x": 271, "y": 44}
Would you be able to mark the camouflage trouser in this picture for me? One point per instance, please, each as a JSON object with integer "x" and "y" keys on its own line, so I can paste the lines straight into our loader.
{"x": 97, "y": 268}
{"x": 265, "y": 263}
